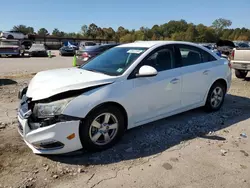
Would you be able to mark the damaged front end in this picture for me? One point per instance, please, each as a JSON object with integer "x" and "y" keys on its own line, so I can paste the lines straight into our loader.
{"x": 43, "y": 126}
{"x": 44, "y": 112}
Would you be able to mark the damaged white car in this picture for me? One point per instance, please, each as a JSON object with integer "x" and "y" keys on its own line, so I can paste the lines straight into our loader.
{"x": 90, "y": 107}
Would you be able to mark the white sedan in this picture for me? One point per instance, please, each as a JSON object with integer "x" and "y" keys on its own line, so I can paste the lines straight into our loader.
{"x": 13, "y": 35}
{"x": 91, "y": 107}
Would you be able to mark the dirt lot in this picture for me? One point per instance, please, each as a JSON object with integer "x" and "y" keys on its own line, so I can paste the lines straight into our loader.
{"x": 193, "y": 149}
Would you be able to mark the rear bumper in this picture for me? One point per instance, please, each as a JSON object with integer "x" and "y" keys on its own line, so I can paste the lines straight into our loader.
{"x": 240, "y": 65}
{"x": 67, "y": 53}
{"x": 80, "y": 61}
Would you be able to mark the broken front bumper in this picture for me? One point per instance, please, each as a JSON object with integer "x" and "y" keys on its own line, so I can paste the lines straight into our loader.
{"x": 58, "y": 138}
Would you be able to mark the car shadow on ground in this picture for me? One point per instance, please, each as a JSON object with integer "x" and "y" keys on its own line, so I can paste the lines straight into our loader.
{"x": 4, "y": 82}
{"x": 246, "y": 79}
{"x": 162, "y": 135}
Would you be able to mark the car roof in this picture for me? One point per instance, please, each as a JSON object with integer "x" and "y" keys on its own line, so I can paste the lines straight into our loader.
{"x": 149, "y": 44}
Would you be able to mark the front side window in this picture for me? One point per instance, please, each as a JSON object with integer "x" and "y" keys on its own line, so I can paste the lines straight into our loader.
{"x": 161, "y": 60}
{"x": 115, "y": 61}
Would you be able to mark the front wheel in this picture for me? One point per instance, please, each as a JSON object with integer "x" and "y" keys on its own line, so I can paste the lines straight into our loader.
{"x": 215, "y": 97}
{"x": 102, "y": 128}
{"x": 240, "y": 73}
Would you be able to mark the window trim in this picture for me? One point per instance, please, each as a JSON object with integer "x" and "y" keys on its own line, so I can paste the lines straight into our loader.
{"x": 178, "y": 46}
{"x": 133, "y": 73}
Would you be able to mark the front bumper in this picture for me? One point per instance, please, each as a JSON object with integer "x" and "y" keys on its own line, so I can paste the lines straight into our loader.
{"x": 9, "y": 53}
{"x": 58, "y": 132}
{"x": 38, "y": 53}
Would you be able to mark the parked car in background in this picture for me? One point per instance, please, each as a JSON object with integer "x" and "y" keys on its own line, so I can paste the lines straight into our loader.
{"x": 127, "y": 86}
{"x": 27, "y": 44}
{"x": 211, "y": 47}
{"x": 13, "y": 35}
{"x": 86, "y": 44}
{"x": 225, "y": 47}
{"x": 240, "y": 61}
{"x": 11, "y": 47}
{"x": 243, "y": 45}
{"x": 86, "y": 54}
{"x": 38, "y": 50}
{"x": 67, "y": 51}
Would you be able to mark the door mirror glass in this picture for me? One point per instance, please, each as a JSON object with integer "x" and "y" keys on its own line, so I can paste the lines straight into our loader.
{"x": 147, "y": 71}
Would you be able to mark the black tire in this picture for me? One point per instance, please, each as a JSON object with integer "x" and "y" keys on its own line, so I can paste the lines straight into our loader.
{"x": 84, "y": 129}
{"x": 208, "y": 106}
{"x": 240, "y": 73}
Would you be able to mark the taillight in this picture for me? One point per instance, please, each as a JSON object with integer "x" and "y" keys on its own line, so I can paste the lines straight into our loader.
{"x": 232, "y": 55}
{"x": 85, "y": 55}
{"x": 229, "y": 65}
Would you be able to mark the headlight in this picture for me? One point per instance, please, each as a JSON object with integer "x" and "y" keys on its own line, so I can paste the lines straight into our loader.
{"x": 46, "y": 110}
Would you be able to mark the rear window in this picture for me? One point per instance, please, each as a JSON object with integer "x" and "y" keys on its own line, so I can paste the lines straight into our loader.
{"x": 92, "y": 48}
{"x": 90, "y": 44}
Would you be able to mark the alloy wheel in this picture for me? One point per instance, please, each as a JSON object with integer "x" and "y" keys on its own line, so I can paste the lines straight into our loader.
{"x": 103, "y": 129}
{"x": 216, "y": 97}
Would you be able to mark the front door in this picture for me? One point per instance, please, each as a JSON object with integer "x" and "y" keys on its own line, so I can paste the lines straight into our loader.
{"x": 161, "y": 94}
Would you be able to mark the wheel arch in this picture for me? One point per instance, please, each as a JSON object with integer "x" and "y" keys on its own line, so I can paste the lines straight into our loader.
{"x": 9, "y": 36}
{"x": 112, "y": 103}
{"x": 222, "y": 81}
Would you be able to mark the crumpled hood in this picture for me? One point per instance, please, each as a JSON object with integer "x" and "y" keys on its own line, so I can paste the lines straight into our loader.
{"x": 48, "y": 83}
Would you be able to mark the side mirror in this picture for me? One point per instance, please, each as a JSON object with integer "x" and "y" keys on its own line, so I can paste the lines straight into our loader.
{"x": 147, "y": 71}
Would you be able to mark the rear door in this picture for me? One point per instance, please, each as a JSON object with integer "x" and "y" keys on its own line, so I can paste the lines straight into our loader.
{"x": 197, "y": 71}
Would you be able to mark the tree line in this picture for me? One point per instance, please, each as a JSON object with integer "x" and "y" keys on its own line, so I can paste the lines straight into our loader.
{"x": 173, "y": 30}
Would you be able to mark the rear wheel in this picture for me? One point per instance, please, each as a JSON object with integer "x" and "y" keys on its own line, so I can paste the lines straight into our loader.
{"x": 215, "y": 97}
{"x": 102, "y": 128}
{"x": 240, "y": 73}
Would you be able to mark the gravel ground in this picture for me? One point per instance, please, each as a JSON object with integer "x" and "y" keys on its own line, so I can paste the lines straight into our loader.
{"x": 23, "y": 66}
{"x": 193, "y": 149}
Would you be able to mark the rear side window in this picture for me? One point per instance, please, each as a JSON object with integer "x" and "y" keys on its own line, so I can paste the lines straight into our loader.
{"x": 207, "y": 57}
{"x": 189, "y": 55}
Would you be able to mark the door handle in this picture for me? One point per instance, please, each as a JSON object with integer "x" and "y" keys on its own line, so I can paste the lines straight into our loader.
{"x": 174, "y": 81}
{"x": 206, "y": 72}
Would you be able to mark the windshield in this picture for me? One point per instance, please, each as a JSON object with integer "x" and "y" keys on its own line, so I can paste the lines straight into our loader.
{"x": 10, "y": 43}
{"x": 115, "y": 61}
